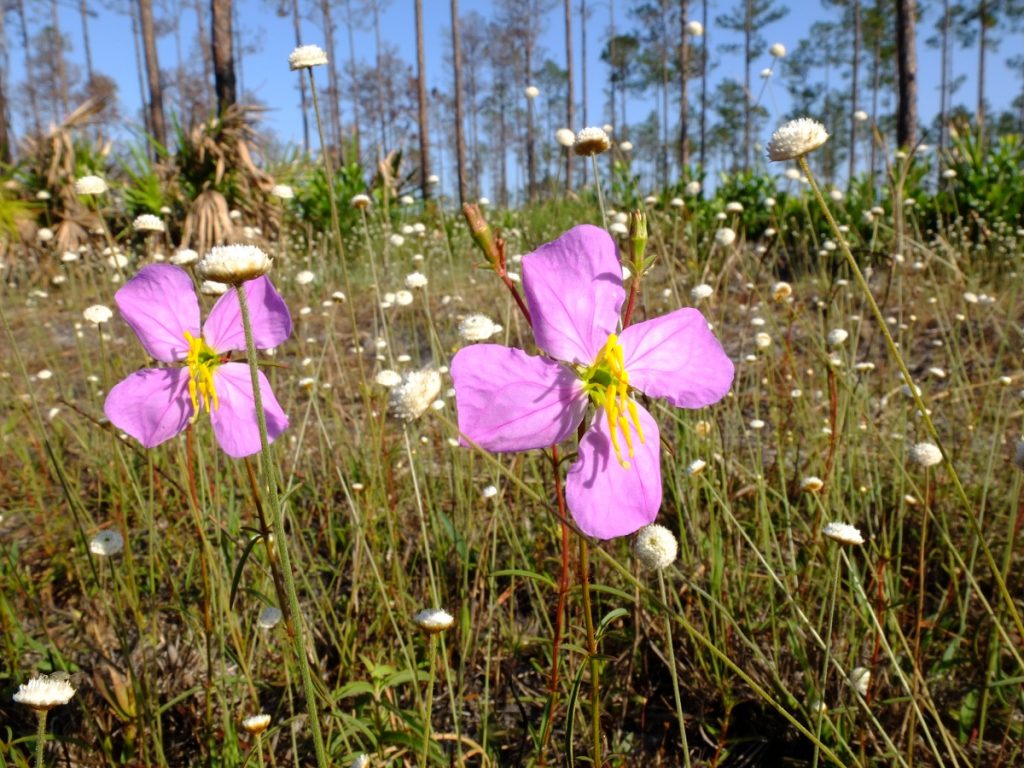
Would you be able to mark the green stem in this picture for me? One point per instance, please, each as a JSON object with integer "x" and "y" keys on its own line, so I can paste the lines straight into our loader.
{"x": 595, "y": 667}
{"x": 820, "y": 714}
{"x": 673, "y": 673}
{"x": 429, "y": 703}
{"x": 916, "y": 395}
{"x": 600, "y": 194}
{"x": 270, "y": 480}
{"x": 40, "y": 738}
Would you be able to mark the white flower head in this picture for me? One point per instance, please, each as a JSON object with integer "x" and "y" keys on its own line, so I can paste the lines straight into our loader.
{"x": 811, "y": 484}
{"x": 396, "y": 240}
{"x": 781, "y": 291}
{"x": 306, "y": 56}
{"x": 725, "y": 237}
{"x": 361, "y": 761}
{"x": 531, "y": 91}
{"x": 626, "y": 146}
{"x": 283, "y": 192}
{"x": 591, "y": 141}
{"x": 416, "y": 280}
{"x": 926, "y": 454}
{"x": 97, "y": 314}
{"x": 106, "y": 543}
{"x": 433, "y": 620}
{"x": 694, "y": 29}
{"x": 234, "y": 264}
{"x": 692, "y": 188}
{"x": 184, "y": 257}
{"x": 860, "y": 116}
{"x": 269, "y": 617}
{"x": 844, "y": 533}
{"x": 411, "y": 398}
{"x": 796, "y": 138}
{"x": 213, "y": 288}
{"x": 147, "y": 222}
{"x": 90, "y": 185}
{"x": 860, "y": 680}
{"x": 565, "y": 137}
{"x": 43, "y": 693}
{"x": 837, "y": 336}
{"x": 701, "y": 292}
{"x": 256, "y": 723}
{"x": 477, "y": 327}
{"x": 305, "y": 277}
{"x": 656, "y": 547}
{"x": 778, "y": 50}
{"x": 360, "y": 201}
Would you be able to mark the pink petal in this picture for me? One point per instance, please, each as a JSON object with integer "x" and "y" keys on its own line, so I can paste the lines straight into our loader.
{"x": 160, "y": 304}
{"x": 234, "y": 418}
{"x": 509, "y": 401}
{"x": 676, "y": 356}
{"x": 151, "y": 405}
{"x": 605, "y": 499}
{"x": 574, "y": 292}
{"x": 271, "y": 321}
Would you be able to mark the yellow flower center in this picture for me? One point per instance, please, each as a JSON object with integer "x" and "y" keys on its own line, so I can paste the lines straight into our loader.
{"x": 606, "y": 383}
{"x": 202, "y": 362}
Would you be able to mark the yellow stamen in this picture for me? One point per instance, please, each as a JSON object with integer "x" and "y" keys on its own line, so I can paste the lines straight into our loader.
{"x": 606, "y": 381}
{"x": 202, "y": 361}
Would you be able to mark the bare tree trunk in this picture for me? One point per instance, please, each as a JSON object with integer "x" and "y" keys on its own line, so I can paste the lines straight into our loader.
{"x": 748, "y": 56}
{"x": 204, "y": 49}
{"x": 944, "y": 81}
{"x": 83, "y": 13}
{"x": 33, "y": 96}
{"x": 59, "y": 65}
{"x": 663, "y": 55}
{"x": 223, "y": 55}
{"x": 684, "y": 71}
{"x": 460, "y": 139}
{"x": 304, "y": 99}
{"x": 906, "y": 66}
{"x": 704, "y": 89}
{"x": 583, "y": 76}
{"x": 876, "y": 68}
{"x": 854, "y": 80}
{"x": 421, "y": 97}
{"x": 6, "y": 150}
{"x": 568, "y": 92}
{"x": 333, "y": 88}
{"x": 531, "y": 155}
{"x": 379, "y": 72}
{"x": 140, "y": 75}
{"x": 352, "y": 65}
{"x": 982, "y": 50}
{"x": 156, "y": 94}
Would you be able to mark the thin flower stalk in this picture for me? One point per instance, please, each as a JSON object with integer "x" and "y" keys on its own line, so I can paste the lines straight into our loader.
{"x": 673, "y": 672}
{"x": 915, "y": 393}
{"x": 270, "y": 482}
{"x": 595, "y": 664}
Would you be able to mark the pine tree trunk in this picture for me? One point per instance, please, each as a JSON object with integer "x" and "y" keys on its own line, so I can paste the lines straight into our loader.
{"x": 6, "y": 141}
{"x": 854, "y": 82}
{"x": 304, "y": 99}
{"x": 704, "y": 89}
{"x": 531, "y": 154}
{"x": 156, "y": 94}
{"x": 223, "y": 55}
{"x": 59, "y": 64}
{"x": 203, "y": 37}
{"x": 83, "y": 13}
{"x": 982, "y": 51}
{"x": 350, "y": 25}
{"x": 748, "y": 56}
{"x": 583, "y": 78}
{"x": 460, "y": 139}
{"x": 421, "y": 97}
{"x": 33, "y": 95}
{"x": 684, "y": 70}
{"x": 333, "y": 89}
{"x": 906, "y": 66}
{"x": 944, "y": 80}
{"x": 140, "y": 75}
{"x": 569, "y": 91}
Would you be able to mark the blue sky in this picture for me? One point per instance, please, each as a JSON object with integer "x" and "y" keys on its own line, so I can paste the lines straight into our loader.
{"x": 266, "y": 72}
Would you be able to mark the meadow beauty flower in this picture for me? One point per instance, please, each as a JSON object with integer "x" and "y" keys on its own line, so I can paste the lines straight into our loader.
{"x": 44, "y": 693}
{"x": 508, "y": 400}
{"x": 155, "y": 404}
{"x": 796, "y": 138}
{"x": 306, "y": 56}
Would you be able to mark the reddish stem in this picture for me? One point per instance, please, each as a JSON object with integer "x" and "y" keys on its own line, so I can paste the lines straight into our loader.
{"x": 634, "y": 288}
{"x": 563, "y": 589}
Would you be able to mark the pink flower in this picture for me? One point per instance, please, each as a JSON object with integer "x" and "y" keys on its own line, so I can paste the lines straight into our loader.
{"x": 508, "y": 400}
{"x": 155, "y": 404}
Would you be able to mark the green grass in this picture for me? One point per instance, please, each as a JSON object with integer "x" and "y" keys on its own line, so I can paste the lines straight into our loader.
{"x": 767, "y": 618}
